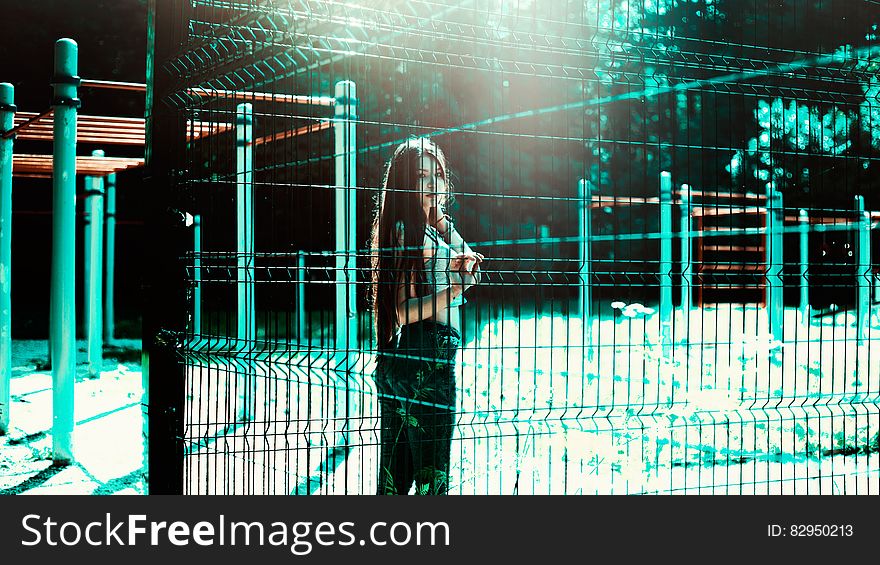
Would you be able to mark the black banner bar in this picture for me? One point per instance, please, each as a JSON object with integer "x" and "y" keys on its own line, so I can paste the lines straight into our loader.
{"x": 434, "y": 530}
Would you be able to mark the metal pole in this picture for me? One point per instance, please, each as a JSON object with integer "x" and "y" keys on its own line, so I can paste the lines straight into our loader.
{"x": 804, "y": 233}
{"x": 345, "y": 219}
{"x": 93, "y": 256}
{"x": 774, "y": 263}
{"x": 244, "y": 140}
{"x": 244, "y": 122}
{"x": 665, "y": 270}
{"x": 63, "y": 297}
{"x": 863, "y": 269}
{"x": 110, "y": 253}
{"x": 687, "y": 276}
{"x": 301, "y": 298}
{"x": 7, "y": 115}
{"x": 585, "y": 199}
{"x": 686, "y": 267}
{"x": 87, "y": 252}
{"x": 345, "y": 151}
{"x": 197, "y": 274}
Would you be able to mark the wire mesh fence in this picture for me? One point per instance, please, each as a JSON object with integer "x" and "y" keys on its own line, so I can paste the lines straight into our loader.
{"x": 675, "y": 201}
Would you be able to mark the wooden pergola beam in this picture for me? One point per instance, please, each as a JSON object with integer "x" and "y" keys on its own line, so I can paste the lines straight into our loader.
{"x": 263, "y": 96}
{"x": 94, "y": 166}
{"x": 282, "y": 135}
{"x": 114, "y": 85}
{"x": 111, "y": 130}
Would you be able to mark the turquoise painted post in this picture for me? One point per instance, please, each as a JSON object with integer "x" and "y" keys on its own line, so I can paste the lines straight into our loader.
{"x": 110, "y": 258}
{"x": 345, "y": 114}
{"x": 87, "y": 252}
{"x": 244, "y": 121}
{"x": 863, "y": 269}
{"x": 665, "y": 270}
{"x": 804, "y": 281}
{"x": 687, "y": 273}
{"x": 301, "y": 298}
{"x": 345, "y": 151}
{"x": 93, "y": 259}
{"x": 585, "y": 200}
{"x": 197, "y": 275}
{"x": 7, "y": 115}
{"x": 244, "y": 140}
{"x": 63, "y": 297}
{"x": 774, "y": 263}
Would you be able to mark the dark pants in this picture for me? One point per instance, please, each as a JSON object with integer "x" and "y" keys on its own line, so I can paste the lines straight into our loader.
{"x": 416, "y": 382}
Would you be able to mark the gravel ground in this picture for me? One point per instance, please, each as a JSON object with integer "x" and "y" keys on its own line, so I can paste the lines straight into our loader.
{"x": 107, "y": 439}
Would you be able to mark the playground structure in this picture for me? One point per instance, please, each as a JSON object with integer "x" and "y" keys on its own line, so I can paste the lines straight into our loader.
{"x": 63, "y": 126}
{"x": 701, "y": 255}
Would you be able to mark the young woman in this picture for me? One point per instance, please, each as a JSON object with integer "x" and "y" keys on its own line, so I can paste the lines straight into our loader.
{"x": 421, "y": 267}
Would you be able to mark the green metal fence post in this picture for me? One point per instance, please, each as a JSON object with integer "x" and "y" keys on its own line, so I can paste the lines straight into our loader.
{"x": 197, "y": 274}
{"x": 687, "y": 276}
{"x": 110, "y": 258}
{"x": 774, "y": 263}
{"x": 244, "y": 141}
{"x": 7, "y": 115}
{"x": 803, "y": 280}
{"x": 585, "y": 200}
{"x": 87, "y": 252}
{"x": 665, "y": 270}
{"x": 93, "y": 256}
{"x": 686, "y": 267}
{"x": 863, "y": 269}
{"x": 244, "y": 122}
{"x": 345, "y": 114}
{"x": 63, "y": 297}
{"x": 345, "y": 152}
{"x": 301, "y": 298}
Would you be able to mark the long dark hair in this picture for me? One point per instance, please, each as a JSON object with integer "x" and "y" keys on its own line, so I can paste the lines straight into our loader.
{"x": 393, "y": 265}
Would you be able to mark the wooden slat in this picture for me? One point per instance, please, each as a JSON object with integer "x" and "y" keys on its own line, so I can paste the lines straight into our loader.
{"x": 264, "y": 96}
{"x": 98, "y": 140}
{"x": 293, "y": 133}
{"x": 97, "y": 166}
{"x": 729, "y": 229}
{"x": 94, "y": 126}
{"x": 83, "y": 119}
{"x": 602, "y": 201}
{"x": 732, "y": 195}
{"x": 709, "y": 267}
{"x": 114, "y": 85}
{"x": 111, "y": 130}
{"x": 734, "y": 248}
{"x": 826, "y": 220}
{"x": 198, "y": 130}
{"x": 709, "y": 211}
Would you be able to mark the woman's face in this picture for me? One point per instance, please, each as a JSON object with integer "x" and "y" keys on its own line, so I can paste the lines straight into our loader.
{"x": 431, "y": 185}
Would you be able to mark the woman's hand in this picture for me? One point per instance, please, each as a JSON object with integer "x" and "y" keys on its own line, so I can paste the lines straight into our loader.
{"x": 467, "y": 268}
{"x": 437, "y": 217}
